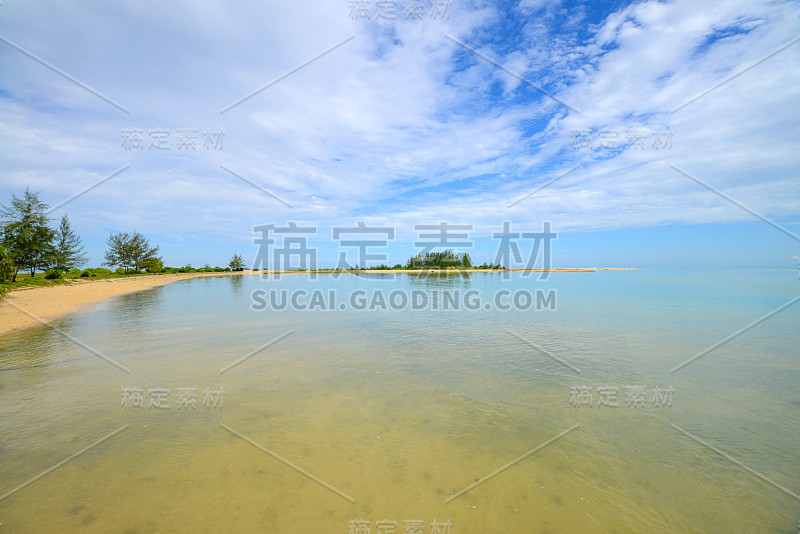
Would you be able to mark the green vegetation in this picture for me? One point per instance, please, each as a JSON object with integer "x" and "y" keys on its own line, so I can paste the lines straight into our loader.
{"x": 236, "y": 263}
{"x": 489, "y": 266}
{"x": 6, "y": 264}
{"x": 153, "y": 265}
{"x": 190, "y": 269}
{"x": 26, "y": 233}
{"x": 67, "y": 251}
{"x": 130, "y": 251}
{"x": 446, "y": 259}
{"x": 29, "y": 244}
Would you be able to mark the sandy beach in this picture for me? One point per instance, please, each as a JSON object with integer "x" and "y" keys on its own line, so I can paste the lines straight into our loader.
{"x": 47, "y": 303}
{"x": 26, "y": 307}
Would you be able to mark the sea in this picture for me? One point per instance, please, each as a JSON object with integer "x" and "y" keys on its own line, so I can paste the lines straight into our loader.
{"x": 650, "y": 400}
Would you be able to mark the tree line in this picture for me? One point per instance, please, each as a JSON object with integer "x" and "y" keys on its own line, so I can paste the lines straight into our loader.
{"x": 440, "y": 260}
{"x": 28, "y": 242}
{"x": 132, "y": 251}
{"x": 446, "y": 259}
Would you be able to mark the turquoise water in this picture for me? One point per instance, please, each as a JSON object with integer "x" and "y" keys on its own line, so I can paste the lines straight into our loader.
{"x": 389, "y": 414}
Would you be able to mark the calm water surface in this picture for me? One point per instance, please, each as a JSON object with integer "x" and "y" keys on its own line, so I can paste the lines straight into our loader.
{"x": 402, "y": 410}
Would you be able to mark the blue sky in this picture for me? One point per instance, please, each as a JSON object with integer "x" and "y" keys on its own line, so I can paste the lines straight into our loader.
{"x": 456, "y": 117}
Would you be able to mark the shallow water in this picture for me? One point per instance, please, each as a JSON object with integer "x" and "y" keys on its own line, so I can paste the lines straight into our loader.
{"x": 400, "y": 410}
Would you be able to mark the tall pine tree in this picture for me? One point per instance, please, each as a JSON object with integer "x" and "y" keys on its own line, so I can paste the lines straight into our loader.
{"x": 26, "y": 233}
{"x": 68, "y": 253}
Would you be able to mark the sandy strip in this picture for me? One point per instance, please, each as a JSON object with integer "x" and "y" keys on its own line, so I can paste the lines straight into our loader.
{"x": 27, "y": 307}
{"x": 47, "y": 303}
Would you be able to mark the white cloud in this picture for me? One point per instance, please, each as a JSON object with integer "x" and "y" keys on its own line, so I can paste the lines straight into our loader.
{"x": 400, "y": 124}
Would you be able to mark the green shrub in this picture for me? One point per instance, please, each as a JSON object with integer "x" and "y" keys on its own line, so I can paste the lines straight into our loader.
{"x": 153, "y": 265}
{"x": 52, "y": 274}
{"x": 85, "y": 274}
{"x": 119, "y": 270}
{"x": 6, "y": 264}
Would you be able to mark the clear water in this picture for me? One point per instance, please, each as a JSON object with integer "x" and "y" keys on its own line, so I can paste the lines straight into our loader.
{"x": 402, "y": 410}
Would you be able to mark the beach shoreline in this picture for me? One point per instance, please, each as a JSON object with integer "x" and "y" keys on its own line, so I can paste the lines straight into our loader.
{"x": 29, "y": 306}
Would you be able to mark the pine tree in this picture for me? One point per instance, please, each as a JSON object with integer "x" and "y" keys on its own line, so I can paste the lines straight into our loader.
{"x": 68, "y": 253}
{"x": 26, "y": 233}
{"x": 236, "y": 263}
